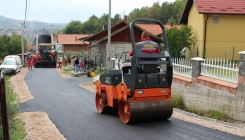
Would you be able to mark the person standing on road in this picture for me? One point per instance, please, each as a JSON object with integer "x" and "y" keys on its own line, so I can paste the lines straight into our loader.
{"x": 73, "y": 62}
{"x": 29, "y": 61}
{"x": 39, "y": 57}
{"x": 76, "y": 65}
{"x": 85, "y": 64}
{"x": 65, "y": 60}
{"x": 34, "y": 59}
{"x": 81, "y": 65}
{"x": 60, "y": 62}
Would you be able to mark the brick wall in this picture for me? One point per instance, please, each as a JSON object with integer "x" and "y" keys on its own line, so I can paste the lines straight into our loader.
{"x": 203, "y": 93}
{"x": 75, "y": 48}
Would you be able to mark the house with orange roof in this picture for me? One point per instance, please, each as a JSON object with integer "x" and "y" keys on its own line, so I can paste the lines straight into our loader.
{"x": 31, "y": 48}
{"x": 71, "y": 43}
{"x": 120, "y": 42}
{"x": 218, "y": 27}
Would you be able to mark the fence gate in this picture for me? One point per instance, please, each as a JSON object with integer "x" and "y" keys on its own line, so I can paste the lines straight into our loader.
{"x": 4, "y": 116}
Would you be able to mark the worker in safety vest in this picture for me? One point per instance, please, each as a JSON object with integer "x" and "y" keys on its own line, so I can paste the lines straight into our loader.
{"x": 146, "y": 45}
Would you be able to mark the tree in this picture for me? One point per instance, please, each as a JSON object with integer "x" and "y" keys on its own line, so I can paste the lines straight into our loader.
{"x": 178, "y": 39}
{"x": 116, "y": 19}
{"x": 11, "y": 45}
{"x": 74, "y": 27}
{"x": 4, "y": 40}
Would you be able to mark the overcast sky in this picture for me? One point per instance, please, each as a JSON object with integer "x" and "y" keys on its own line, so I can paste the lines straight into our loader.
{"x": 63, "y": 11}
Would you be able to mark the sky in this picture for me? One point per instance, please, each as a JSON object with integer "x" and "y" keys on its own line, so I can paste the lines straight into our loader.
{"x": 64, "y": 11}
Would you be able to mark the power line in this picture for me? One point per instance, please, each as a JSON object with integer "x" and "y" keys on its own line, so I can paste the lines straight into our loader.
{"x": 56, "y": 10}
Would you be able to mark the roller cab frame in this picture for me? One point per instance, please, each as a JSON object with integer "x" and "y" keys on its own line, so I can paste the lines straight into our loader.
{"x": 140, "y": 91}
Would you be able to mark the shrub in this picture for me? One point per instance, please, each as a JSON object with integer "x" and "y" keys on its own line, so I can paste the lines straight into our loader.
{"x": 178, "y": 101}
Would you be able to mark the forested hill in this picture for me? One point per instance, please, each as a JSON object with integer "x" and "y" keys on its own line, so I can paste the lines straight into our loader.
{"x": 15, "y": 24}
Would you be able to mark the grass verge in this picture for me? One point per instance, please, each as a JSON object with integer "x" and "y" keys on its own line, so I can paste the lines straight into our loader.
{"x": 16, "y": 126}
{"x": 179, "y": 103}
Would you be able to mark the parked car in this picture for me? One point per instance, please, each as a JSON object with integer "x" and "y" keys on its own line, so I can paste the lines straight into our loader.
{"x": 11, "y": 64}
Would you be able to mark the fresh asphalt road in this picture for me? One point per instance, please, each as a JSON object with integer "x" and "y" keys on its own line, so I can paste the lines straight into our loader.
{"x": 72, "y": 109}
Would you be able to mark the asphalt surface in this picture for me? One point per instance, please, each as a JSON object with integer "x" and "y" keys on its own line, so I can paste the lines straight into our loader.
{"x": 72, "y": 109}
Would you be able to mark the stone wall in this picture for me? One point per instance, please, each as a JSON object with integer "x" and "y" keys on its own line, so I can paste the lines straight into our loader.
{"x": 203, "y": 93}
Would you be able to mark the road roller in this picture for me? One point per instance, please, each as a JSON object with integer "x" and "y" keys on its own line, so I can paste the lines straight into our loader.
{"x": 141, "y": 88}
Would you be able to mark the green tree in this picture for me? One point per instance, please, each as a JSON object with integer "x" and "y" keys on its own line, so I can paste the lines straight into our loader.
{"x": 74, "y": 27}
{"x": 154, "y": 11}
{"x": 11, "y": 45}
{"x": 91, "y": 25}
{"x": 178, "y": 39}
{"x": 117, "y": 18}
{"x": 4, "y": 41}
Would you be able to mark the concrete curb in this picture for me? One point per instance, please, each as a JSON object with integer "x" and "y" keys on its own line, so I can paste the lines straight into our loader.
{"x": 226, "y": 124}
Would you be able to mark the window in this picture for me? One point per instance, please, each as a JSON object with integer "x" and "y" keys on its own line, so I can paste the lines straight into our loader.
{"x": 216, "y": 19}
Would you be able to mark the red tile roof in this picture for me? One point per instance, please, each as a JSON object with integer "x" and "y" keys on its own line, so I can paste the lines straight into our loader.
{"x": 30, "y": 47}
{"x": 155, "y": 29}
{"x": 229, "y": 7}
{"x": 221, "y": 6}
{"x": 72, "y": 38}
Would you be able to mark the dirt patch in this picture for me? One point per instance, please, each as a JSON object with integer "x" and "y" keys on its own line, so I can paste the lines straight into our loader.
{"x": 19, "y": 86}
{"x": 91, "y": 86}
{"x": 63, "y": 74}
{"x": 37, "y": 124}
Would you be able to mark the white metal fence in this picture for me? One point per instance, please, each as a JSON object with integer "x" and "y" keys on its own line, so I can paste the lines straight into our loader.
{"x": 220, "y": 69}
{"x": 182, "y": 67}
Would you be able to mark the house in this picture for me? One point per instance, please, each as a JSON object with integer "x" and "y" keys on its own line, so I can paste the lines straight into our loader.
{"x": 71, "y": 43}
{"x": 120, "y": 42}
{"x": 31, "y": 49}
{"x": 218, "y": 25}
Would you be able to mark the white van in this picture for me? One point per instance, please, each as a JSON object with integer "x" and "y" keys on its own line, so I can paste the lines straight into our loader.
{"x": 11, "y": 64}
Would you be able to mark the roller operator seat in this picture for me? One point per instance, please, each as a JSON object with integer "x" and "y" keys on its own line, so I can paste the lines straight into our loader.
{"x": 148, "y": 46}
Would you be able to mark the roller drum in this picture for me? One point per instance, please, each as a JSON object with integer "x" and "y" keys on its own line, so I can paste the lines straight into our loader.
{"x": 131, "y": 112}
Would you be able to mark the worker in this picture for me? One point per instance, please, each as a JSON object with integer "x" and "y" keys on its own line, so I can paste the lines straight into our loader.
{"x": 52, "y": 55}
{"x": 39, "y": 57}
{"x": 146, "y": 45}
{"x": 41, "y": 50}
{"x": 34, "y": 59}
{"x": 60, "y": 61}
{"x": 29, "y": 61}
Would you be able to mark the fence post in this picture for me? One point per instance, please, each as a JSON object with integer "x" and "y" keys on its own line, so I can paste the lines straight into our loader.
{"x": 241, "y": 72}
{"x": 204, "y": 57}
{"x": 4, "y": 114}
{"x": 196, "y": 67}
{"x": 197, "y": 53}
{"x": 232, "y": 55}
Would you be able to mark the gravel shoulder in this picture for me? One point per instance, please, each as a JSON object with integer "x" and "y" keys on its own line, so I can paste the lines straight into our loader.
{"x": 39, "y": 126}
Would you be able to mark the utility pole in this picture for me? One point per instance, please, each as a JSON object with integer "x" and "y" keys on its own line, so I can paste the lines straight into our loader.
{"x": 22, "y": 44}
{"x": 109, "y": 34}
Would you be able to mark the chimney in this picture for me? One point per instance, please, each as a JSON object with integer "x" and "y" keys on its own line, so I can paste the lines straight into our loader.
{"x": 125, "y": 18}
{"x": 76, "y": 39}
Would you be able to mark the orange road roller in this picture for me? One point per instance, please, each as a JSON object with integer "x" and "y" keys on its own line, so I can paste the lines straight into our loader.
{"x": 139, "y": 89}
